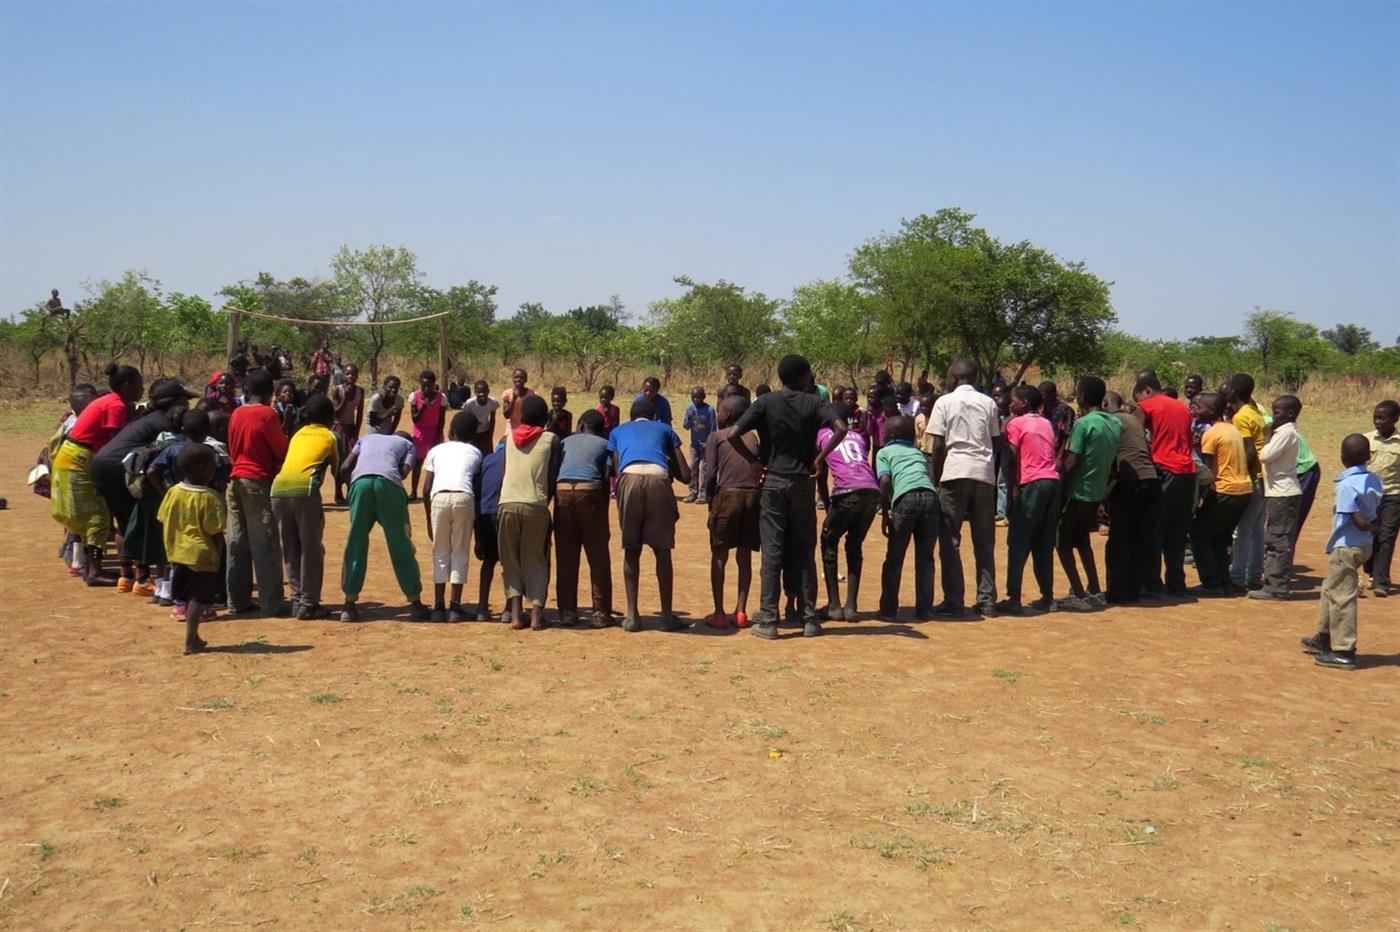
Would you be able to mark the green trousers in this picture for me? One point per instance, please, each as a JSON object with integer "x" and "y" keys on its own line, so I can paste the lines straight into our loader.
{"x": 1032, "y": 535}
{"x": 376, "y": 500}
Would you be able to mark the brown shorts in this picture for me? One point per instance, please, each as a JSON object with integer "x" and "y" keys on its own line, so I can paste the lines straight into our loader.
{"x": 734, "y": 519}
{"x": 647, "y": 511}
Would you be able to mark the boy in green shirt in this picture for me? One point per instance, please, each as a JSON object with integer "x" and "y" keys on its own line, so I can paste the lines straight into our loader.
{"x": 1086, "y": 465}
{"x": 908, "y": 508}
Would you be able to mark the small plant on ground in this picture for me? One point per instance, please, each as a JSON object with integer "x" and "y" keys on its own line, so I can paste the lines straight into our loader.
{"x": 1009, "y": 677}
{"x": 327, "y": 698}
{"x": 108, "y": 802}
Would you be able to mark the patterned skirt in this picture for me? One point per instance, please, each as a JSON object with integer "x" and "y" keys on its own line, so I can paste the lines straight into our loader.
{"x": 75, "y": 502}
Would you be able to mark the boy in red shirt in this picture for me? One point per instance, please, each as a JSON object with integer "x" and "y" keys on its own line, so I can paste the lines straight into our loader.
{"x": 257, "y": 446}
{"x": 1168, "y": 423}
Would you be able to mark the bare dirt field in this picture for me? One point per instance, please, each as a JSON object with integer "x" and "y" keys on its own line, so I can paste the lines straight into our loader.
{"x": 1183, "y": 767}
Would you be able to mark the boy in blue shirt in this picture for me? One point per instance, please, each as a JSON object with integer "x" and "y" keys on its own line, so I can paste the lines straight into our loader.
{"x": 1357, "y": 502}
{"x": 700, "y": 421}
{"x": 488, "y": 504}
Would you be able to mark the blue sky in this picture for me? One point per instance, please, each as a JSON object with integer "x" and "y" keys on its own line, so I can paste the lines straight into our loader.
{"x": 1204, "y": 158}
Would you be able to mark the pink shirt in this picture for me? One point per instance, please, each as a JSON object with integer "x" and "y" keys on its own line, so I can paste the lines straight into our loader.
{"x": 849, "y": 463}
{"x": 1034, "y": 436}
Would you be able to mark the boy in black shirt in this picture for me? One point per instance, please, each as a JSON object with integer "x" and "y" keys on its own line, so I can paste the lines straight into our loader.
{"x": 787, "y": 422}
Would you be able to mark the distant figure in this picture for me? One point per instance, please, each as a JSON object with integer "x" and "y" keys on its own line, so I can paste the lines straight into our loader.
{"x": 55, "y": 304}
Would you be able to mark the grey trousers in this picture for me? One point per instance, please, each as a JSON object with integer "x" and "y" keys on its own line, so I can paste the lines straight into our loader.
{"x": 303, "y": 523}
{"x": 975, "y": 502}
{"x": 1280, "y": 517}
{"x": 253, "y": 548}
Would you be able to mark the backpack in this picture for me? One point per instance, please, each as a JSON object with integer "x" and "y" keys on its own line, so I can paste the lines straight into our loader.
{"x": 139, "y": 460}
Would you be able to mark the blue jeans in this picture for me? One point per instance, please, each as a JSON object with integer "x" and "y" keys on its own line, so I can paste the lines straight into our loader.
{"x": 1247, "y": 560}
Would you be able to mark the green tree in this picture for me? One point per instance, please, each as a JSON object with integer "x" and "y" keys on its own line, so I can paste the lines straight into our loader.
{"x": 1350, "y": 339}
{"x": 120, "y": 319}
{"x": 831, "y": 324}
{"x": 34, "y": 334}
{"x": 471, "y": 311}
{"x": 942, "y": 283}
{"x": 591, "y": 353}
{"x": 1286, "y": 348}
{"x": 714, "y": 323}
{"x": 377, "y": 285}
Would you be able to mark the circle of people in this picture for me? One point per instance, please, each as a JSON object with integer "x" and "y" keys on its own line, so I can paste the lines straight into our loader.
{"x": 206, "y": 500}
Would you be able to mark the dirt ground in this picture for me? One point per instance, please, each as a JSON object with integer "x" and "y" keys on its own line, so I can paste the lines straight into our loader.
{"x": 1183, "y": 767}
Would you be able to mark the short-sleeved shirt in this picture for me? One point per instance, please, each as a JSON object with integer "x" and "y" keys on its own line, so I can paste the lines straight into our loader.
{"x": 726, "y": 390}
{"x": 511, "y": 401}
{"x": 1094, "y": 440}
{"x": 729, "y": 467}
{"x": 1249, "y": 421}
{"x": 1132, "y": 447}
{"x": 488, "y": 489}
{"x": 787, "y": 422}
{"x": 483, "y": 411}
{"x": 311, "y": 452}
{"x": 967, "y": 421}
{"x": 1385, "y": 460}
{"x": 190, "y": 516}
{"x": 660, "y": 407}
{"x": 906, "y": 466}
{"x": 1169, "y": 423}
{"x": 384, "y": 414}
{"x": 386, "y": 455}
{"x": 452, "y": 464}
{"x": 100, "y": 421}
{"x": 1224, "y": 442}
{"x": 612, "y": 416}
{"x": 1034, "y": 439}
{"x": 643, "y": 441}
{"x": 585, "y": 459}
{"x": 849, "y": 463}
{"x": 1280, "y": 461}
{"x": 700, "y": 421}
{"x": 1358, "y": 491}
{"x": 256, "y": 442}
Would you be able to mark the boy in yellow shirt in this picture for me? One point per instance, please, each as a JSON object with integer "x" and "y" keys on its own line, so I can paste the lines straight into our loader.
{"x": 312, "y": 454}
{"x": 1247, "y": 560}
{"x": 1223, "y": 450}
{"x": 192, "y": 522}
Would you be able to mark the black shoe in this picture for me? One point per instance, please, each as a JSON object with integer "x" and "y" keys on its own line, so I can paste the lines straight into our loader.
{"x": 349, "y": 612}
{"x": 987, "y": 610}
{"x": 1010, "y": 607}
{"x": 245, "y": 610}
{"x": 811, "y": 630}
{"x": 948, "y": 610}
{"x": 1317, "y": 644}
{"x": 1268, "y": 595}
{"x": 568, "y": 619}
{"x": 1154, "y": 597}
{"x": 631, "y": 624}
{"x": 417, "y": 611}
{"x": 1340, "y": 659}
{"x": 312, "y": 611}
{"x": 455, "y": 613}
{"x": 1208, "y": 592}
{"x": 766, "y": 631}
{"x": 439, "y": 614}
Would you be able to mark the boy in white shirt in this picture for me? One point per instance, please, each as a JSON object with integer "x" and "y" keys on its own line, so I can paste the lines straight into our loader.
{"x": 449, "y": 500}
{"x": 1283, "y": 495}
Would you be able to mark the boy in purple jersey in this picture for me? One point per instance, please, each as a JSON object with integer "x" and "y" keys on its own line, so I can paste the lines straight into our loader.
{"x": 855, "y": 498}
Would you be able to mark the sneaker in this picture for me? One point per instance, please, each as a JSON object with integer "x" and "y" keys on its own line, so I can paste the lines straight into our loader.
{"x": 124, "y": 584}
{"x": 1380, "y": 592}
{"x": 177, "y": 612}
{"x": 1010, "y": 607}
{"x": 768, "y": 632}
{"x": 1338, "y": 659}
{"x": 718, "y": 621}
{"x": 1096, "y": 600}
{"x": 600, "y": 620}
{"x": 75, "y": 571}
{"x": 948, "y": 610}
{"x": 631, "y": 624}
{"x": 143, "y": 588}
{"x": 483, "y": 615}
{"x": 1208, "y": 592}
{"x": 1268, "y": 595}
{"x": 1154, "y": 596}
{"x": 349, "y": 612}
{"x": 1073, "y": 603}
{"x": 455, "y": 613}
{"x": 163, "y": 602}
{"x": 690, "y": 498}
{"x": 811, "y": 630}
{"x": 1041, "y": 606}
{"x": 702, "y": 500}
{"x": 821, "y": 506}
{"x": 438, "y": 614}
{"x": 310, "y": 611}
{"x": 417, "y": 611}
{"x": 209, "y": 613}
{"x": 1001, "y": 521}
{"x": 741, "y": 620}
{"x": 1317, "y": 643}
{"x": 987, "y": 610}
{"x": 568, "y": 619}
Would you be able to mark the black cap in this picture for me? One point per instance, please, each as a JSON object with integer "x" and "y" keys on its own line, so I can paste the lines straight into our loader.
{"x": 170, "y": 390}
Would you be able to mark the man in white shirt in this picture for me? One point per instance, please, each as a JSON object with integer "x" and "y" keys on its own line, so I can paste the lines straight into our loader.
{"x": 1283, "y": 496}
{"x": 966, "y": 435}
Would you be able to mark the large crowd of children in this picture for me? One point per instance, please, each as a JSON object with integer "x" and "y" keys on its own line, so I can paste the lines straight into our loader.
{"x": 214, "y": 497}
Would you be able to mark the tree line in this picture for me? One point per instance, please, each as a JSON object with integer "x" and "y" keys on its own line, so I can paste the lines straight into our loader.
{"x": 937, "y": 288}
